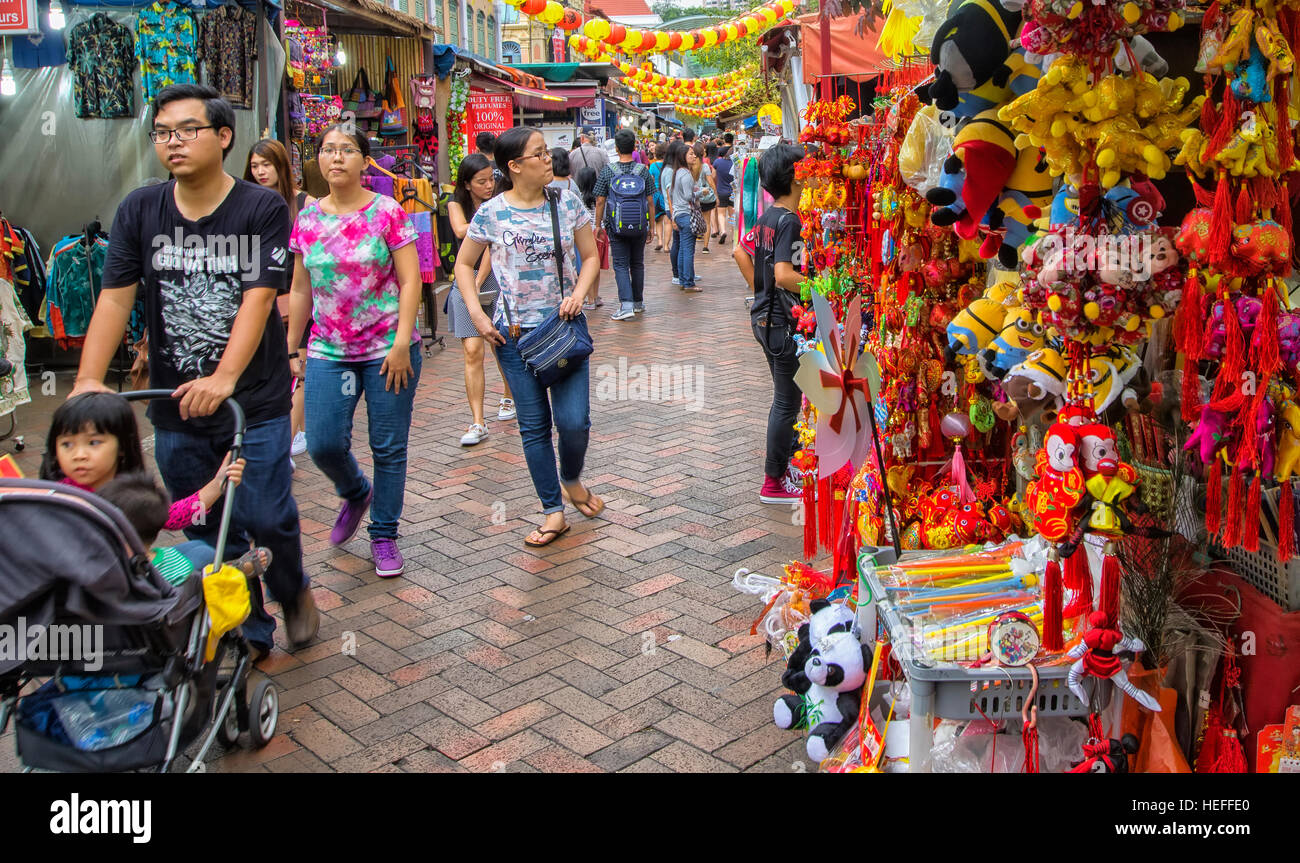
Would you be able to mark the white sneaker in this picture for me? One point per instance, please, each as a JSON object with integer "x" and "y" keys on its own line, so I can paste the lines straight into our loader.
{"x": 676, "y": 281}
{"x": 299, "y": 444}
{"x": 475, "y": 435}
{"x": 506, "y": 410}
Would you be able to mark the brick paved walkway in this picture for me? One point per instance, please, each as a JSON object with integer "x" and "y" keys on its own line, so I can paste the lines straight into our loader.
{"x": 623, "y": 647}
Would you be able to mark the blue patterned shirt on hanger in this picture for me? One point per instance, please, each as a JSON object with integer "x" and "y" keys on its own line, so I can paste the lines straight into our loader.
{"x": 167, "y": 45}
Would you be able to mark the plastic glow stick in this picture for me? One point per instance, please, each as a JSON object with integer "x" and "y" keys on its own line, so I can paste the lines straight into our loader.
{"x": 1006, "y": 552}
{"x": 986, "y": 618}
{"x": 981, "y": 634}
{"x": 991, "y": 584}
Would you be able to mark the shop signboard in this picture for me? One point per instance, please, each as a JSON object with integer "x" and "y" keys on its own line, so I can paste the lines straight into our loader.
{"x": 558, "y": 136}
{"x": 18, "y": 17}
{"x": 488, "y": 112}
{"x": 595, "y": 118}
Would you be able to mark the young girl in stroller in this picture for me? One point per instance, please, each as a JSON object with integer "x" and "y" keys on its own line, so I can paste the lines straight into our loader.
{"x": 94, "y": 438}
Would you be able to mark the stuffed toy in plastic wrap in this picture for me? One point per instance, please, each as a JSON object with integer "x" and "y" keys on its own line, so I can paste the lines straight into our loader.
{"x": 826, "y": 673}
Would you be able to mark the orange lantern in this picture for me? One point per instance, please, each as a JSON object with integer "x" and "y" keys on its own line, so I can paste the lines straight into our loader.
{"x": 674, "y": 40}
{"x": 617, "y": 33}
{"x": 533, "y": 7}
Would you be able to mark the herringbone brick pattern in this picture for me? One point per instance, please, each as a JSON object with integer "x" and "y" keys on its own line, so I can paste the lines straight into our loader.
{"x": 623, "y": 646}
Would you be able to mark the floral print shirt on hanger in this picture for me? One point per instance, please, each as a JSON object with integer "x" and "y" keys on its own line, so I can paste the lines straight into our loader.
{"x": 167, "y": 45}
{"x": 101, "y": 56}
{"x": 228, "y": 49}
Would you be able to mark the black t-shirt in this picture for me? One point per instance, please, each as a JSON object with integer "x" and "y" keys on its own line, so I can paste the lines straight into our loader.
{"x": 777, "y": 239}
{"x": 192, "y": 276}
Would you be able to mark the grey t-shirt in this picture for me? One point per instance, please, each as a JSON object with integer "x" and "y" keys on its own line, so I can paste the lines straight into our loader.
{"x": 683, "y": 192}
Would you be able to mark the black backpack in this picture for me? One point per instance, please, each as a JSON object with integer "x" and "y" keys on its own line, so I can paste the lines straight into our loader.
{"x": 628, "y": 215}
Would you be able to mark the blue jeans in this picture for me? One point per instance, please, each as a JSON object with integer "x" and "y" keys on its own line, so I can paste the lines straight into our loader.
{"x": 627, "y": 255}
{"x": 685, "y": 251}
{"x": 265, "y": 512}
{"x": 568, "y": 403}
{"x": 333, "y": 391}
{"x": 674, "y": 250}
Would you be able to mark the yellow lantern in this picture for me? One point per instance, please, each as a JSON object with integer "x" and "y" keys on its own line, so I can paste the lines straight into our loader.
{"x": 661, "y": 41}
{"x": 688, "y": 42}
{"x": 732, "y": 32}
{"x": 632, "y": 41}
{"x": 787, "y": 6}
{"x": 552, "y": 13}
{"x": 769, "y": 15}
{"x": 710, "y": 38}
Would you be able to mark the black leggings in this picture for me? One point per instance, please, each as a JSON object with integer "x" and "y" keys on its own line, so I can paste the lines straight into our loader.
{"x": 786, "y": 399}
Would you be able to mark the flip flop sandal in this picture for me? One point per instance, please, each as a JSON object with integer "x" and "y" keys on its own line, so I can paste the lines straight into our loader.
{"x": 554, "y": 534}
{"x": 586, "y": 501}
{"x": 250, "y": 563}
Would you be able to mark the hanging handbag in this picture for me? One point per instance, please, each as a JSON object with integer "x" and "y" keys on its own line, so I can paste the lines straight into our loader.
{"x": 362, "y": 101}
{"x": 556, "y": 347}
{"x": 392, "y": 122}
{"x": 699, "y": 227}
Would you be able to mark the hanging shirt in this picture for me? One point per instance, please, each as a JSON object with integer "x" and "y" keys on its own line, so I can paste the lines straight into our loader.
{"x": 72, "y": 287}
{"x": 355, "y": 293}
{"x": 166, "y": 46}
{"x": 193, "y": 275}
{"x": 228, "y": 49}
{"x": 101, "y": 53}
{"x": 43, "y": 49}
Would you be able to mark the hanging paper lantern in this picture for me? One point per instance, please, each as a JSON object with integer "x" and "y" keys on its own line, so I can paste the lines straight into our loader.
{"x": 515, "y": 3}
{"x": 647, "y": 41}
{"x": 661, "y": 41}
{"x": 552, "y": 13}
{"x": 787, "y": 6}
{"x": 674, "y": 41}
{"x": 742, "y": 29}
{"x": 596, "y": 29}
{"x": 571, "y": 20}
{"x": 617, "y": 33}
{"x": 732, "y": 32}
{"x": 533, "y": 7}
{"x": 770, "y": 15}
{"x": 710, "y": 37}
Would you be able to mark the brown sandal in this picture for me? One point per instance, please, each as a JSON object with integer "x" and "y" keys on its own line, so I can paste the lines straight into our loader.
{"x": 554, "y": 534}
{"x": 586, "y": 501}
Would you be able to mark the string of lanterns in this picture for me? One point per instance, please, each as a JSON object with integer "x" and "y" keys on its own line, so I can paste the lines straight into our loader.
{"x": 634, "y": 40}
{"x": 636, "y": 77}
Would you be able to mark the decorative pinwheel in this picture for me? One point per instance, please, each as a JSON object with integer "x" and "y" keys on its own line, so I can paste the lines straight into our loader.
{"x": 834, "y": 380}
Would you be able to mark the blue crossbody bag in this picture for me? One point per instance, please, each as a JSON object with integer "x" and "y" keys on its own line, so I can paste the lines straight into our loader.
{"x": 556, "y": 347}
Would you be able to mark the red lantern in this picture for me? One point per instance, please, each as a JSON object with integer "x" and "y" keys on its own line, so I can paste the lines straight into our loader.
{"x": 617, "y": 33}
{"x": 674, "y": 41}
{"x": 571, "y": 20}
{"x": 698, "y": 37}
{"x": 741, "y": 29}
{"x": 533, "y": 7}
{"x": 647, "y": 41}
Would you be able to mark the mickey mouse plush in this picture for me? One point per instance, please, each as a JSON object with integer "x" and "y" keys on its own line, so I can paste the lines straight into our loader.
{"x": 826, "y": 672}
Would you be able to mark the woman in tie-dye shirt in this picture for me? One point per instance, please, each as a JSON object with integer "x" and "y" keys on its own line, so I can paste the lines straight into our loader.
{"x": 357, "y": 266}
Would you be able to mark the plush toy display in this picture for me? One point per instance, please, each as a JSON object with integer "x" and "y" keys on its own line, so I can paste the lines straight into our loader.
{"x": 1098, "y": 655}
{"x": 826, "y": 673}
{"x": 969, "y": 48}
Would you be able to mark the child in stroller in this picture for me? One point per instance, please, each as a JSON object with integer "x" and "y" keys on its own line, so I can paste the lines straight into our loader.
{"x": 168, "y": 662}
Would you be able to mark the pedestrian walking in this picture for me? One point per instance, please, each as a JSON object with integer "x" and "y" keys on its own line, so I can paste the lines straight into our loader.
{"x": 524, "y": 226}
{"x": 773, "y": 275}
{"x": 706, "y": 194}
{"x": 624, "y": 203}
{"x": 475, "y": 183}
{"x": 675, "y": 156}
{"x": 213, "y": 335}
{"x": 686, "y": 210}
{"x": 662, "y": 221}
{"x": 268, "y": 165}
{"x": 357, "y": 266}
{"x": 586, "y": 182}
{"x": 722, "y": 171}
{"x": 588, "y": 154}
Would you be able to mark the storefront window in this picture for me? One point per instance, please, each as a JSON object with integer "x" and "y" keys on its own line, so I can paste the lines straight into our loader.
{"x": 492, "y": 38}
{"x": 482, "y": 34}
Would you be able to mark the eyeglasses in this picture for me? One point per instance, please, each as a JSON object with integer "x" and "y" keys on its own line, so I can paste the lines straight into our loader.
{"x": 331, "y": 152}
{"x": 544, "y": 155}
{"x": 188, "y": 133}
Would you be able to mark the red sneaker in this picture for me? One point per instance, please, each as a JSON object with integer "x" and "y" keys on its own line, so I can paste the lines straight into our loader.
{"x": 779, "y": 490}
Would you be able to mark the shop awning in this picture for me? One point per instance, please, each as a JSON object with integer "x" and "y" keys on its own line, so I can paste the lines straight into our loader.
{"x": 557, "y": 72}
{"x": 575, "y": 95}
{"x": 367, "y": 14}
{"x": 528, "y": 97}
{"x": 852, "y": 55}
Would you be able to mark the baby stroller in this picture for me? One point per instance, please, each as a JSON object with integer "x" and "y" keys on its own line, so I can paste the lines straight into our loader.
{"x": 151, "y": 683}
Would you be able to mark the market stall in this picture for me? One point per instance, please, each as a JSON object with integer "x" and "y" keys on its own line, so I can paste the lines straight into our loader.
{"x": 1049, "y": 430}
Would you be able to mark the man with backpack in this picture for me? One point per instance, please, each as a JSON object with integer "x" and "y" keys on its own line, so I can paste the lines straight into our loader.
{"x": 624, "y": 204}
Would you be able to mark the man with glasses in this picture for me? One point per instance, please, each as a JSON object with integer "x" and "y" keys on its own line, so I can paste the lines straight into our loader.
{"x": 211, "y": 254}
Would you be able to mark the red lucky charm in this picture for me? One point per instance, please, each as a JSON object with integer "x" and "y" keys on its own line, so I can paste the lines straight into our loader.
{"x": 1053, "y": 497}
{"x": 1097, "y": 655}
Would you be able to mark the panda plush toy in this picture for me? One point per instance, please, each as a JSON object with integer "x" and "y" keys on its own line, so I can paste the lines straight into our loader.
{"x": 826, "y": 673}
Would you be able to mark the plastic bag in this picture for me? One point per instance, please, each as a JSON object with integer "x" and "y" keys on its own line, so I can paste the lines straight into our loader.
{"x": 968, "y": 747}
{"x": 925, "y": 148}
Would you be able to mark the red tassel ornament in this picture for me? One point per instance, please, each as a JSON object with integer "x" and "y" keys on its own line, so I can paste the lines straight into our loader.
{"x": 1232, "y": 517}
{"x": 1111, "y": 576}
{"x": 1214, "y": 497}
{"x": 1250, "y": 521}
{"x": 825, "y": 526}
{"x": 1078, "y": 580}
{"x": 1053, "y": 602}
{"x": 1285, "y": 523}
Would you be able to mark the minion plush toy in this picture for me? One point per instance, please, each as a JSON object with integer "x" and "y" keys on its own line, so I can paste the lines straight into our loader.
{"x": 973, "y": 328}
{"x": 1020, "y": 336}
{"x": 969, "y": 48}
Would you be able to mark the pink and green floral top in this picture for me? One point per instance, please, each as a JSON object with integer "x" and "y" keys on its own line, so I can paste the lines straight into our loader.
{"x": 354, "y": 287}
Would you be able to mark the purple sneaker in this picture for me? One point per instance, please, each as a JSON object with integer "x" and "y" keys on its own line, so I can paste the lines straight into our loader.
{"x": 387, "y": 557}
{"x": 345, "y": 526}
